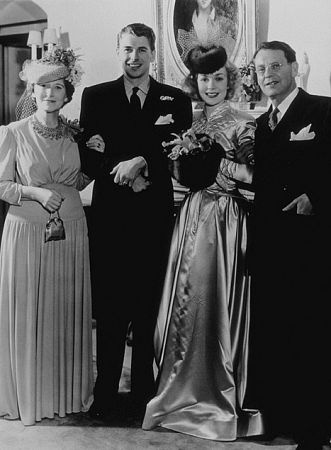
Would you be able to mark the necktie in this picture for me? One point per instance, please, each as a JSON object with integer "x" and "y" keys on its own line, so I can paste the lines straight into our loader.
{"x": 135, "y": 100}
{"x": 273, "y": 120}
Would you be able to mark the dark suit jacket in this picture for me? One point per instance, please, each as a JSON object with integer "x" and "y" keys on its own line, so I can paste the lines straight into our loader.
{"x": 105, "y": 110}
{"x": 130, "y": 228}
{"x": 284, "y": 168}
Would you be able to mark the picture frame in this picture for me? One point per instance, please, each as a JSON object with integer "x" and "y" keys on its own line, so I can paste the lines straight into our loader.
{"x": 171, "y": 24}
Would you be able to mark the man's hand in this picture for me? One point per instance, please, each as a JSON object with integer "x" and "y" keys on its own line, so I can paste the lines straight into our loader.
{"x": 140, "y": 184}
{"x": 302, "y": 205}
{"x": 127, "y": 171}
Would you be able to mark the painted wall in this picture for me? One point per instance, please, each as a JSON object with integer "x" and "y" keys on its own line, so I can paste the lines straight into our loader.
{"x": 306, "y": 26}
{"x": 93, "y": 25}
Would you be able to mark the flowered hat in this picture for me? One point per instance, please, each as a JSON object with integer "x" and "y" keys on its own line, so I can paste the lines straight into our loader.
{"x": 55, "y": 64}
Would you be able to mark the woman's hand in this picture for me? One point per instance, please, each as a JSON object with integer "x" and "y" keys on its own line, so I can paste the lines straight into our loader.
{"x": 49, "y": 199}
{"x": 96, "y": 143}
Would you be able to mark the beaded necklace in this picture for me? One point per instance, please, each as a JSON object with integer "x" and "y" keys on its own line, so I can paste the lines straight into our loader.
{"x": 48, "y": 132}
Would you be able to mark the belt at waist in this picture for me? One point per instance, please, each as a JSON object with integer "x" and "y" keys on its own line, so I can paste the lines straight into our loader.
{"x": 32, "y": 211}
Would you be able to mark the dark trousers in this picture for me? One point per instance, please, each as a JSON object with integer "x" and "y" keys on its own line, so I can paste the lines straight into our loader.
{"x": 127, "y": 289}
{"x": 289, "y": 363}
{"x": 111, "y": 339}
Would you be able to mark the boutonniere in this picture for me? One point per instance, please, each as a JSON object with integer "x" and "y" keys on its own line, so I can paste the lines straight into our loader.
{"x": 166, "y": 97}
{"x": 303, "y": 135}
{"x": 164, "y": 120}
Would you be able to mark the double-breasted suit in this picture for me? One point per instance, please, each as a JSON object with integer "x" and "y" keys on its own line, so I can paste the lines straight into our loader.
{"x": 129, "y": 231}
{"x": 288, "y": 375}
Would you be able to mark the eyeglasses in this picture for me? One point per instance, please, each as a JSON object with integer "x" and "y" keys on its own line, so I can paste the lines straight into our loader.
{"x": 273, "y": 67}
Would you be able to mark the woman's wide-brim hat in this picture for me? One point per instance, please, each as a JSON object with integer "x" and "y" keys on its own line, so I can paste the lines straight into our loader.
{"x": 59, "y": 63}
{"x": 40, "y": 72}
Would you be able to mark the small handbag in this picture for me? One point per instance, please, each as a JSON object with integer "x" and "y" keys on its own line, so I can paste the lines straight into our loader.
{"x": 54, "y": 228}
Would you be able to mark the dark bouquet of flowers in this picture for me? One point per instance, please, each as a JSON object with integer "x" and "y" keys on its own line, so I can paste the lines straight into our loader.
{"x": 193, "y": 158}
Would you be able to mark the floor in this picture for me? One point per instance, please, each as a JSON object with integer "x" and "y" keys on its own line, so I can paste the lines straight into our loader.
{"x": 79, "y": 432}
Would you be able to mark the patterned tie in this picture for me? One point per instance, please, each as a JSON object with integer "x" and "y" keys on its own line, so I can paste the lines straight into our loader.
{"x": 135, "y": 100}
{"x": 273, "y": 120}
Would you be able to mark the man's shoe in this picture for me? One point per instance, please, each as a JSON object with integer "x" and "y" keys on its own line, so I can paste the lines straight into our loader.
{"x": 265, "y": 437}
{"x": 136, "y": 414}
{"x": 313, "y": 441}
{"x": 98, "y": 411}
{"x": 104, "y": 412}
{"x": 309, "y": 445}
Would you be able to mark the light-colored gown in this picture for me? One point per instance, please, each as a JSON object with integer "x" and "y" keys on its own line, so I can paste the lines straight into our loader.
{"x": 45, "y": 293}
{"x": 203, "y": 322}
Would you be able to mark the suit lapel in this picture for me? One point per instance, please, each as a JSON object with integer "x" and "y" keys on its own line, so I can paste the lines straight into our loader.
{"x": 152, "y": 99}
{"x": 293, "y": 117}
{"x": 293, "y": 120}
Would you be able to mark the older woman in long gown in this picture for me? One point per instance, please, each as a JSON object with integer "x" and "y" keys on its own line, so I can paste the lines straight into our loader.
{"x": 45, "y": 293}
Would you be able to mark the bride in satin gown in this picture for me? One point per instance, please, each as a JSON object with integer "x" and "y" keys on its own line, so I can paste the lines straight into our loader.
{"x": 203, "y": 323}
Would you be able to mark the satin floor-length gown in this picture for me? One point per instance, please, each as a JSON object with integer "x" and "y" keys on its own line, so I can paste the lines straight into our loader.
{"x": 203, "y": 323}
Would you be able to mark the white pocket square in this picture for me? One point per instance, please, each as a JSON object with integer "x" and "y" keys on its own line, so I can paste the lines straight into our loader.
{"x": 164, "y": 120}
{"x": 303, "y": 135}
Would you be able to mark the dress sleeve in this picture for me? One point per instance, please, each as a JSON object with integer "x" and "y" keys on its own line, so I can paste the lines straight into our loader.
{"x": 245, "y": 131}
{"x": 236, "y": 171}
{"x": 243, "y": 144}
{"x": 10, "y": 190}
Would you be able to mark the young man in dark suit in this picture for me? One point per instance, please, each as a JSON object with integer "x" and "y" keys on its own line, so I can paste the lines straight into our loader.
{"x": 289, "y": 376}
{"x": 131, "y": 213}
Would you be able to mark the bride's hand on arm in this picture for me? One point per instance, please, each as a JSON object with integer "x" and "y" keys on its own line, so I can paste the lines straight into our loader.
{"x": 97, "y": 143}
{"x": 49, "y": 199}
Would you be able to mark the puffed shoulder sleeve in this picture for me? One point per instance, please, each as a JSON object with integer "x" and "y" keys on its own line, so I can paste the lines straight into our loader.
{"x": 246, "y": 130}
{"x": 240, "y": 169}
{"x": 245, "y": 137}
{"x": 10, "y": 191}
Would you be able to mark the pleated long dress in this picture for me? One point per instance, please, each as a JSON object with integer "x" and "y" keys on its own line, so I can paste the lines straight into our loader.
{"x": 203, "y": 323}
{"x": 45, "y": 292}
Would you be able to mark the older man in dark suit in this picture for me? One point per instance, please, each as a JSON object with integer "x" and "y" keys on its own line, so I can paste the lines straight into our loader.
{"x": 131, "y": 214}
{"x": 289, "y": 377}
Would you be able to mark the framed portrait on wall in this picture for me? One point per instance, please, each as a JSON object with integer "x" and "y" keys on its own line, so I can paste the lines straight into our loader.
{"x": 182, "y": 24}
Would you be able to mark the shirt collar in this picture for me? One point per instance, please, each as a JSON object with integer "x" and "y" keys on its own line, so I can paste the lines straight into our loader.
{"x": 144, "y": 86}
{"x": 285, "y": 104}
